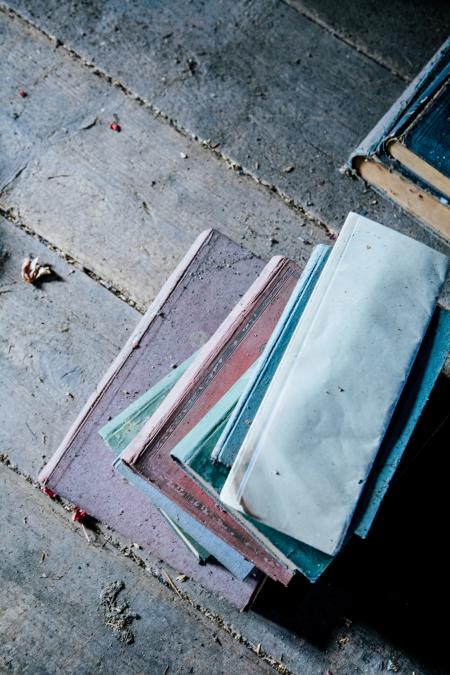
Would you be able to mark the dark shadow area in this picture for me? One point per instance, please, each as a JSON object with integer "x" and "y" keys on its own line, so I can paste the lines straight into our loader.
{"x": 394, "y": 582}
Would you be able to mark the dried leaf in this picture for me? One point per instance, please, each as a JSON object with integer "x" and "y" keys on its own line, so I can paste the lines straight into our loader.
{"x": 289, "y": 168}
{"x": 182, "y": 577}
{"x": 32, "y": 270}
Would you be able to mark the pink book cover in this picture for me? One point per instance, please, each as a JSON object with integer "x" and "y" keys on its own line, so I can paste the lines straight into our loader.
{"x": 236, "y": 344}
{"x": 213, "y": 275}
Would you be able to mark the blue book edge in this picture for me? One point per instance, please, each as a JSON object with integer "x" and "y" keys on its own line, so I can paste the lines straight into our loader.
{"x": 426, "y": 369}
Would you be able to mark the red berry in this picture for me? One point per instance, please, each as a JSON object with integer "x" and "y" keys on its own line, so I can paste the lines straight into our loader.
{"x": 78, "y": 515}
{"x": 115, "y": 127}
{"x": 47, "y": 491}
{"x": 22, "y": 93}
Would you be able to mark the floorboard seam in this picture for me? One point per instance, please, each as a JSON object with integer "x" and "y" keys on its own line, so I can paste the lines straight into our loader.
{"x": 339, "y": 36}
{"x": 129, "y": 552}
{"x": 120, "y": 293}
{"x": 206, "y": 144}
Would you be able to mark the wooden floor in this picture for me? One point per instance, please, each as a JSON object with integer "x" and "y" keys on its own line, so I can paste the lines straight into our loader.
{"x": 237, "y": 115}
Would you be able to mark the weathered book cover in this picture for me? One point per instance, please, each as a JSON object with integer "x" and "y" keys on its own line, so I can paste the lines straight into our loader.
{"x": 406, "y": 154}
{"x": 194, "y": 450}
{"x": 120, "y": 430}
{"x": 232, "y": 350}
{"x": 206, "y": 285}
{"x": 307, "y": 456}
{"x": 231, "y": 440}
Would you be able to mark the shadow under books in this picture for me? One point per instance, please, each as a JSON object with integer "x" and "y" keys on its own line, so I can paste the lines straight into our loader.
{"x": 394, "y": 582}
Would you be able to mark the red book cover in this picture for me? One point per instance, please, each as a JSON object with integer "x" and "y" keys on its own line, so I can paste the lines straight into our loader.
{"x": 233, "y": 348}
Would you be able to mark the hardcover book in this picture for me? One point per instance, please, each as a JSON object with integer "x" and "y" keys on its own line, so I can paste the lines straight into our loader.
{"x": 235, "y": 346}
{"x": 198, "y": 296}
{"x": 308, "y": 453}
{"x": 407, "y": 154}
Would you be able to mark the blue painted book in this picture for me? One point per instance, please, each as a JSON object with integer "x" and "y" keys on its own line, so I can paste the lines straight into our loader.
{"x": 407, "y": 154}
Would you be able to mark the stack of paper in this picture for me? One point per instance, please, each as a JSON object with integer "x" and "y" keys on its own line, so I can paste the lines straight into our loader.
{"x": 275, "y": 437}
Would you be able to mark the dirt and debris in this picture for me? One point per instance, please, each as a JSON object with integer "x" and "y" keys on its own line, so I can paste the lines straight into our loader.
{"x": 32, "y": 270}
{"x": 393, "y": 666}
{"x": 343, "y": 641}
{"x": 116, "y": 614}
{"x": 172, "y": 584}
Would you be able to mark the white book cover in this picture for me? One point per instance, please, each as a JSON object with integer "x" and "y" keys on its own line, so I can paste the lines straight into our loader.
{"x": 303, "y": 464}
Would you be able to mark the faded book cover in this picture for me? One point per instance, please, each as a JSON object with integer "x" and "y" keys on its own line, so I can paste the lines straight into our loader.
{"x": 231, "y": 351}
{"x": 198, "y": 296}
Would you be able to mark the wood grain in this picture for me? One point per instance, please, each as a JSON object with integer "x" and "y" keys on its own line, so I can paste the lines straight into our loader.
{"x": 51, "y": 618}
{"x": 273, "y": 89}
{"x": 55, "y": 343}
{"x": 126, "y": 205}
{"x": 402, "y": 37}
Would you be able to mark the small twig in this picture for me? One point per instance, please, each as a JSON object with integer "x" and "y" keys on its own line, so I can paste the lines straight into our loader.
{"x": 172, "y": 584}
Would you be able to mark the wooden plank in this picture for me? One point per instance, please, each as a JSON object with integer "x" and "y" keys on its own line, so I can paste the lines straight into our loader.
{"x": 51, "y": 616}
{"x": 126, "y": 205}
{"x": 273, "y": 88}
{"x": 402, "y": 38}
{"x": 56, "y": 342}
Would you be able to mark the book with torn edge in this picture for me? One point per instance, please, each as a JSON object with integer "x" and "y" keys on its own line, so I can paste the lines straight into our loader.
{"x": 194, "y": 450}
{"x": 228, "y": 354}
{"x": 197, "y": 297}
{"x": 305, "y": 459}
{"x": 407, "y": 154}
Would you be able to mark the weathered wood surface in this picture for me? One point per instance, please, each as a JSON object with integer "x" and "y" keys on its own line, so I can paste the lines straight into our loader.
{"x": 403, "y": 35}
{"x": 273, "y": 88}
{"x": 51, "y": 616}
{"x": 56, "y": 341}
{"x": 239, "y": 91}
{"x": 126, "y": 205}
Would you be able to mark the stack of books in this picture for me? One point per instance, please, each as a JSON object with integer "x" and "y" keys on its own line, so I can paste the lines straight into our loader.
{"x": 253, "y": 422}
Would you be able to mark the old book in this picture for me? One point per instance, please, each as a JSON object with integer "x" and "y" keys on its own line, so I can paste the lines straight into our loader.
{"x": 208, "y": 450}
{"x": 304, "y": 462}
{"x": 228, "y": 445}
{"x": 203, "y": 289}
{"x": 120, "y": 431}
{"x": 231, "y": 351}
{"x": 407, "y": 154}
